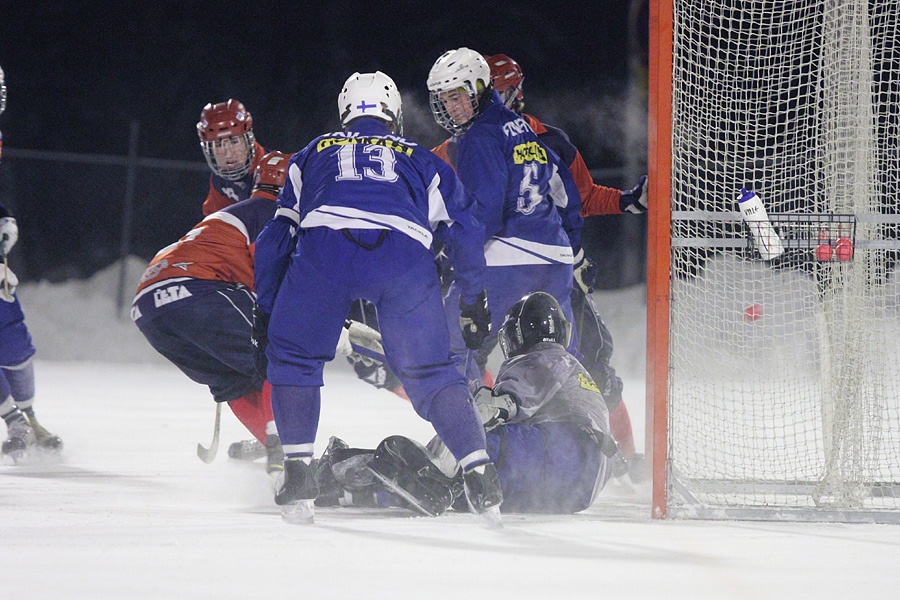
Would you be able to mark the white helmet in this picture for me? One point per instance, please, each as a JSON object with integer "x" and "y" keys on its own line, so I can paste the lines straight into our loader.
{"x": 2, "y": 92}
{"x": 460, "y": 69}
{"x": 371, "y": 95}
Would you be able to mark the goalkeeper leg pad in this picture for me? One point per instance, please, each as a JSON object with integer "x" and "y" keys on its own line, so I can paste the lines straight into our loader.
{"x": 405, "y": 468}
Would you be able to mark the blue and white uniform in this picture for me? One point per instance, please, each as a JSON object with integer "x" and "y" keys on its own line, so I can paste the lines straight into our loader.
{"x": 530, "y": 207}
{"x": 357, "y": 218}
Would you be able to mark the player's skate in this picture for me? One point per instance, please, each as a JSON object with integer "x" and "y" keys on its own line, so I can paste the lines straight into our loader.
{"x": 45, "y": 439}
{"x": 247, "y": 450}
{"x": 404, "y": 467}
{"x": 297, "y": 492}
{"x": 20, "y": 439}
{"x": 274, "y": 454}
{"x": 483, "y": 492}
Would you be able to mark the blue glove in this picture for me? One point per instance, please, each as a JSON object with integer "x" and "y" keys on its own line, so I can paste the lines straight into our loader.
{"x": 475, "y": 321}
{"x": 635, "y": 200}
{"x": 585, "y": 272}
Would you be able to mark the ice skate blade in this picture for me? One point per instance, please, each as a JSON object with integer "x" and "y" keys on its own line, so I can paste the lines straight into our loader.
{"x": 492, "y": 517}
{"x": 301, "y": 513}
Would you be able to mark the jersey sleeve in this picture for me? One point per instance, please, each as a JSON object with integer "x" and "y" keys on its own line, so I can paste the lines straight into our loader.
{"x": 595, "y": 199}
{"x": 565, "y": 196}
{"x": 276, "y": 241}
{"x": 451, "y": 214}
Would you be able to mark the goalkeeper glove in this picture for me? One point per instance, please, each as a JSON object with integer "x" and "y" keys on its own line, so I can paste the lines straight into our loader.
{"x": 260, "y": 340}
{"x": 475, "y": 321}
{"x": 585, "y": 272}
{"x": 635, "y": 200}
{"x": 494, "y": 408}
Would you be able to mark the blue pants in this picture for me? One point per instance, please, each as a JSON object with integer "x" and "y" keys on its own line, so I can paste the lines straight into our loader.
{"x": 15, "y": 341}
{"x": 208, "y": 338}
{"x": 328, "y": 271}
{"x": 505, "y": 286}
{"x": 545, "y": 468}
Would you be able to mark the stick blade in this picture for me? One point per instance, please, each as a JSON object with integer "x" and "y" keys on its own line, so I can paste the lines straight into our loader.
{"x": 208, "y": 455}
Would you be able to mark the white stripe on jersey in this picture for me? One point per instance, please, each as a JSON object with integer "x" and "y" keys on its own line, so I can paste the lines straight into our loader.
{"x": 504, "y": 252}
{"x": 437, "y": 209}
{"x": 343, "y": 217}
{"x": 558, "y": 189}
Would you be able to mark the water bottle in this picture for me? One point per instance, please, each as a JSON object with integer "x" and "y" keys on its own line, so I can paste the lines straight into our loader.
{"x": 766, "y": 240}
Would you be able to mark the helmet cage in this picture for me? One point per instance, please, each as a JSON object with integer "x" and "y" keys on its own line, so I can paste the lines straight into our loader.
{"x": 464, "y": 71}
{"x": 240, "y": 170}
{"x": 227, "y": 127}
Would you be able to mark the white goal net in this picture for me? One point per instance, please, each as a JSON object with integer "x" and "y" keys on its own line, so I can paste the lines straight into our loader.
{"x": 784, "y": 374}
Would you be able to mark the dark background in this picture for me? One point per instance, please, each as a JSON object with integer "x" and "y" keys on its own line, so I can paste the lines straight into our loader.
{"x": 81, "y": 75}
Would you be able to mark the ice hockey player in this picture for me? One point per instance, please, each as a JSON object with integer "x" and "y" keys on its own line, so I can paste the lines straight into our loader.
{"x": 24, "y": 433}
{"x": 547, "y": 432}
{"x": 594, "y": 339}
{"x": 232, "y": 153}
{"x": 362, "y": 207}
{"x": 517, "y": 185}
{"x": 194, "y": 304}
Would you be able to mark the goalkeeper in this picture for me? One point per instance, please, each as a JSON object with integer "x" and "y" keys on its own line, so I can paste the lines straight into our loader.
{"x": 547, "y": 431}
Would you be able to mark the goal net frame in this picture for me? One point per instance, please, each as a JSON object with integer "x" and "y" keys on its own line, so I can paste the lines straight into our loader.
{"x": 838, "y": 493}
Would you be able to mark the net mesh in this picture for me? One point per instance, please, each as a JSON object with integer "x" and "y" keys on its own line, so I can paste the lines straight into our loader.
{"x": 784, "y": 389}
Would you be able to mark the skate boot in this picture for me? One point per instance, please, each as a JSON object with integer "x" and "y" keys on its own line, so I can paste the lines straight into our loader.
{"x": 246, "y": 450}
{"x": 45, "y": 439}
{"x": 483, "y": 492}
{"x": 21, "y": 438}
{"x": 405, "y": 468}
{"x": 274, "y": 454}
{"x": 297, "y": 492}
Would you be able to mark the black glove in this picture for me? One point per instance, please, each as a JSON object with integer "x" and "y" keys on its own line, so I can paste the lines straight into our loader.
{"x": 635, "y": 200}
{"x": 585, "y": 272}
{"x": 475, "y": 321}
{"x": 260, "y": 339}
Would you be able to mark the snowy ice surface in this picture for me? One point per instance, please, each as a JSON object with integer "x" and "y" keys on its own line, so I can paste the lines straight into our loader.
{"x": 130, "y": 512}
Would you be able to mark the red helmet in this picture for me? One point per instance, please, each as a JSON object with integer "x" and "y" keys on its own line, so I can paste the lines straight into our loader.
{"x": 226, "y": 137}
{"x": 270, "y": 174}
{"x": 506, "y": 77}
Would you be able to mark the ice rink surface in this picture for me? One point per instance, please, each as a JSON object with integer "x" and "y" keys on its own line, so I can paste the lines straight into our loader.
{"x": 130, "y": 511}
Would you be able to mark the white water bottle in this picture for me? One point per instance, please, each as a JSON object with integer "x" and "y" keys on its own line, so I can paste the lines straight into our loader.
{"x": 767, "y": 241}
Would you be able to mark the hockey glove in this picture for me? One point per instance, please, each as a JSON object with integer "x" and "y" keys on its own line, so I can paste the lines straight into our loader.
{"x": 494, "y": 408}
{"x": 260, "y": 340}
{"x": 374, "y": 373}
{"x": 635, "y": 200}
{"x": 9, "y": 233}
{"x": 8, "y": 284}
{"x": 585, "y": 272}
{"x": 475, "y": 321}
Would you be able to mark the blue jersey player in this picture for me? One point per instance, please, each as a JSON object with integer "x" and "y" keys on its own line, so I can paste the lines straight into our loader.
{"x": 16, "y": 351}
{"x": 524, "y": 194}
{"x": 357, "y": 219}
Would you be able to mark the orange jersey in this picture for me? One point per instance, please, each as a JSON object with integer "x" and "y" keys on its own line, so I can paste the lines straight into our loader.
{"x": 219, "y": 248}
{"x": 223, "y": 192}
